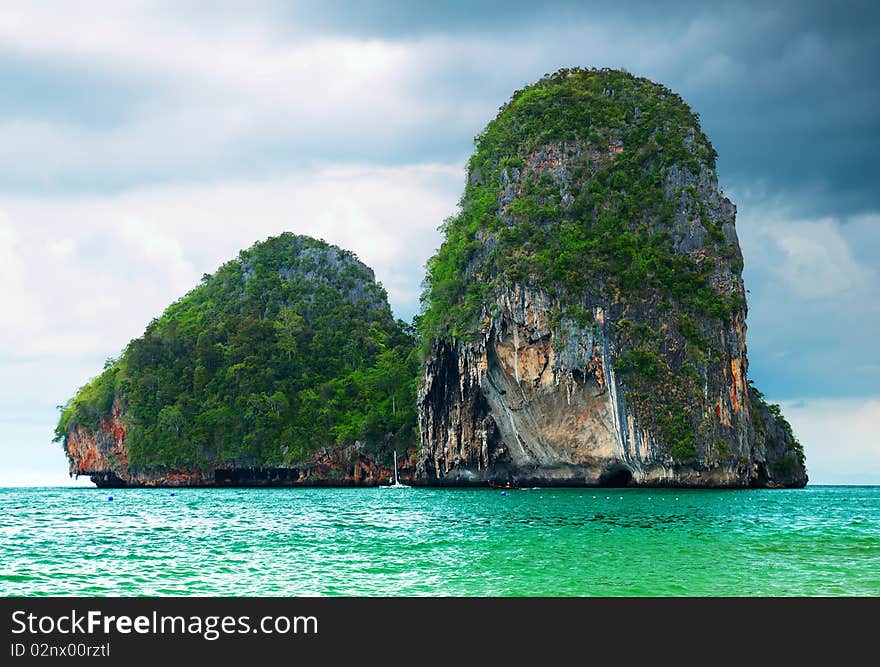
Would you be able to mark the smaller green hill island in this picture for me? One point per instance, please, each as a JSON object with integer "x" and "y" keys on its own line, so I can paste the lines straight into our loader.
{"x": 583, "y": 323}
{"x": 286, "y": 366}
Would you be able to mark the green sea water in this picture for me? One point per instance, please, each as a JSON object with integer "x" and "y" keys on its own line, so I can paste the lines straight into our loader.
{"x": 432, "y": 542}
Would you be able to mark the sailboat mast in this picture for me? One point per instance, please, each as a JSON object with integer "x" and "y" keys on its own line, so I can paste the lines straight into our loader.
{"x": 395, "y": 466}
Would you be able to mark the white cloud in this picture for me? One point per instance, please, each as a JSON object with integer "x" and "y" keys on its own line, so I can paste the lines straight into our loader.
{"x": 841, "y": 438}
{"x": 817, "y": 261}
{"x": 15, "y": 305}
{"x": 811, "y": 258}
{"x": 83, "y": 275}
{"x": 30, "y": 459}
{"x": 214, "y": 95}
{"x": 813, "y": 311}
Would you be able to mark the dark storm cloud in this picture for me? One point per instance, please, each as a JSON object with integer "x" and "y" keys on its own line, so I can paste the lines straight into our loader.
{"x": 790, "y": 94}
{"x": 400, "y": 19}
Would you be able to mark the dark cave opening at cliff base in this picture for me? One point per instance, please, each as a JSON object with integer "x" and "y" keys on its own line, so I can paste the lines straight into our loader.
{"x": 616, "y": 476}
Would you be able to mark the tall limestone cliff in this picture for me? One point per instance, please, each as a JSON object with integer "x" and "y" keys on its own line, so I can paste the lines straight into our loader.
{"x": 585, "y": 318}
{"x": 285, "y": 367}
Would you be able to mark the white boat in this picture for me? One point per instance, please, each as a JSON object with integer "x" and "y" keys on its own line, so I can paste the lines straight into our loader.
{"x": 395, "y": 484}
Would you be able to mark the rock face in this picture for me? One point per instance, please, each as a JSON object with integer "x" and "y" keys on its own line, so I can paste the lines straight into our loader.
{"x": 102, "y": 456}
{"x": 100, "y": 453}
{"x": 285, "y": 367}
{"x": 596, "y": 334}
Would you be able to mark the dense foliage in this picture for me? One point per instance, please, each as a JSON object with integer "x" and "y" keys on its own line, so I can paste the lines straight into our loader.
{"x": 611, "y": 236}
{"x": 289, "y": 348}
{"x": 760, "y": 405}
{"x": 598, "y": 229}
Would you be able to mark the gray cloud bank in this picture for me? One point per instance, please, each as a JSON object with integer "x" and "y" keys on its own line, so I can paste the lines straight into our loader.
{"x": 788, "y": 91}
{"x": 143, "y": 144}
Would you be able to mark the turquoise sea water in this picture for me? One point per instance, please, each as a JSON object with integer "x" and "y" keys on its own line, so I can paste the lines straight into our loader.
{"x": 460, "y": 542}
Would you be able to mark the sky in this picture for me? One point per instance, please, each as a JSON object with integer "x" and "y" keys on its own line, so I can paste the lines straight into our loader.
{"x": 143, "y": 144}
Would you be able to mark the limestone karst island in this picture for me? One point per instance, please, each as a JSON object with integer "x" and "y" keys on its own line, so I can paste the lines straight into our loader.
{"x": 583, "y": 323}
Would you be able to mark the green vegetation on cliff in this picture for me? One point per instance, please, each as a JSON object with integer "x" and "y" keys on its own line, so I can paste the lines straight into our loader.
{"x": 287, "y": 349}
{"x": 611, "y": 219}
{"x": 598, "y": 188}
{"x": 771, "y": 424}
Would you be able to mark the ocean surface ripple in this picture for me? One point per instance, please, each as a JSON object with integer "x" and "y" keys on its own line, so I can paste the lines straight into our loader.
{"x": 440, "y": 542}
